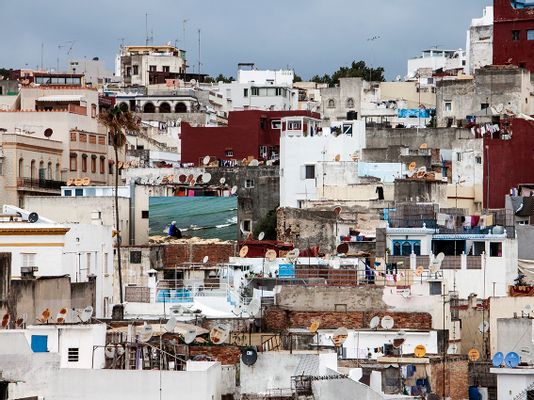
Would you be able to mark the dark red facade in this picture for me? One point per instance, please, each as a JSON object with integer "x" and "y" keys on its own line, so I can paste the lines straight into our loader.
{"x": 510, "y": 35}
{"x": 246, "y": 132}
{"x": 509, "y": 162}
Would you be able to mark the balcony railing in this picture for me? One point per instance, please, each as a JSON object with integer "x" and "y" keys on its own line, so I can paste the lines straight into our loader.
{"x": 38, "y": 184}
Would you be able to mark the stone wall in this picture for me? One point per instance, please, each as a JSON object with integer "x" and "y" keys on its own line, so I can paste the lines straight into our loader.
{"x": 456, "y": 377}
{"x": 226, "y": 355}
{"x": 193, "y": 252}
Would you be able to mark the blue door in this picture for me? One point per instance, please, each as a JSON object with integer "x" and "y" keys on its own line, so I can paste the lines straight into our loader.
{"x": 39, "y": 343}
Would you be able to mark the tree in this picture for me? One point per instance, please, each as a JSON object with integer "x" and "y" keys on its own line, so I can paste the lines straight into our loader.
{"x": 118, "y": 121}
{"x": 296, "y": 78}
{"x": 357, "y": 69}
{"x": 267, "y": 225}
{"x": 219, "y": 78}
{"x": 5, "y": 73}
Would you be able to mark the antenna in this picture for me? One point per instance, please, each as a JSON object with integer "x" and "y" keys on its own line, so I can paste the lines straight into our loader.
{"x": 435, "y": 265}
{"x": 147, "y": 38}
{"x": 453, "y": 349}
{"x": 243, "y": 252}
{"x": 375, "y": 321}
{"x": 387, "y": 322}
{"x": 261, "y": 236}
{"x": 484, "y": 327}
{"x": 86, "y": 314}
{"x": 219, "y": 334}
{"x": 412, "y": 166}
{"x": 293, "y": 255}
{"x": 249, "y": 355}
{"x": 222, "y": 180}
{"x": 473, "y": 355}
{"x": 199, "y": 63}
{"x": 419, "y": 270}
{"x": 33, "y": 217}
{"x": 19, "y": 322}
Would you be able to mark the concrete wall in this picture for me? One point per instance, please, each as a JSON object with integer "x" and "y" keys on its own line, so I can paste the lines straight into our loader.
{"x": 421, "y": 191}
{"x": 440, "y": 138}
{"x": 344, "y": 389}
{"x": 512, "y": 382}
{"x": 515, "y": 335}
{"x": 525, "y": 238}
{"x": 504, "y": 307}
{"x": 349, "y": 88}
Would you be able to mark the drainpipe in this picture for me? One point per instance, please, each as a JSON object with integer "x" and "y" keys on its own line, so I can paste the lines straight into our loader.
{"x": 132, "y": 212}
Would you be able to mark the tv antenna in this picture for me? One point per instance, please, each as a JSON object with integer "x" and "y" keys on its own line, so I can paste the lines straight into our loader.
{"x": 147, "y": 38}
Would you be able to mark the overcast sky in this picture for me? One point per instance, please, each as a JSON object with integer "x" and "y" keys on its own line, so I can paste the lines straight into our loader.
{"x": 310, "y": 36}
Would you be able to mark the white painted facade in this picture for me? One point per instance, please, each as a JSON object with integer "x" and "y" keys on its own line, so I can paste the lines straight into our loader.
{"x": 279, "y": 77}
{"x": 479, "y": 42}
{"x": 435, "y": 59}
{"x": 253, "y": 96}
{"x": 513, "y": 381}
{"x": 302, "y": 154}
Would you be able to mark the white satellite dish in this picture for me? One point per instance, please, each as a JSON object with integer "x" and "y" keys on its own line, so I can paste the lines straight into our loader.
{"x": 145, "y": 333}
{"x": 206, "y": 160}
{"x": 387, "y": 322}
{"x": 237, "y": 310}
{"x": 222, "y": 180}
{"x": 253, "y": 163}
{"x": 401, "y": 335}
{"x": 484, "y": 327}
{"x": 205, "y": 259}
{"x": 206, "y": 177}
{"x": 219, "y": 334}
{"x": 233, "y": 190}
{"x": 253, "y": 307}
{"x": 292, "y": 255}
{"x": 261, "y": 236}
{"x": 435, "y": 264}
{"x": 109, "y": 350}
{"x": 171, "y": 324}
{"x": 190, "y": 335}
{"x": 375, "y": 321}
{"x": 86, "y": 314}
{"x": 453, "y": 349}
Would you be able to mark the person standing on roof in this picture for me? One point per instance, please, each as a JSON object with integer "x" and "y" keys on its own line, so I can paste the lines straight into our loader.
{"x": 174, "y": 231}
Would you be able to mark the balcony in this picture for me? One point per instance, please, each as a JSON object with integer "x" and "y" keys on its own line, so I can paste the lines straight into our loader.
{"x": 39, "y": 185}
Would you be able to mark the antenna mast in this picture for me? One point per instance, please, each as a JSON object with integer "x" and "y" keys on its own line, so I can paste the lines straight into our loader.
{"x": 199, "y": 63}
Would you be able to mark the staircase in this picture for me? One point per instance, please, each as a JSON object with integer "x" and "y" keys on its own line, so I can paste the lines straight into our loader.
{"x": 525, "y": 395}
{"x": 273, "y": 343}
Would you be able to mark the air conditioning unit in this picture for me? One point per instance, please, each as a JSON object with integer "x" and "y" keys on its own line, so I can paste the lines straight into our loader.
{"x": 28, "y": 272}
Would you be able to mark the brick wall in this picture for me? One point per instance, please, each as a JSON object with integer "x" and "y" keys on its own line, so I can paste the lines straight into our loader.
{"x": 226, "y": 355}
{"x": 277, "y": 319}
{"x": 178, "y": 253}
{"x": 456, "y": 378}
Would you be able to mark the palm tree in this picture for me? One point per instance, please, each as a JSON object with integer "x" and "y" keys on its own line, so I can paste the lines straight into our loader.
{"x": 118, "y": 121}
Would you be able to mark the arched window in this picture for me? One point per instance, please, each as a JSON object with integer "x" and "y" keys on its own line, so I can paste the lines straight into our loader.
{"x": 180, "y": 108}
{"x": 164, "y": 107}
{"x": 331, "y": 103}
{"x": 149, "y": 108}
{"x": 350, "y": 102}
{"x": 21, "y": 168}
{"x": 42, "y": 171}
{"x": 58, "y": 172}
{"x": 49, "y": 171}
{"x": 33, "y": 171}
{"x": 396, "y": 248}
{"x": 406, "y": 248}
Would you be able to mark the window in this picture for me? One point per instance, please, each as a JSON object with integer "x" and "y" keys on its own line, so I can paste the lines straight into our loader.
{"x": 128, "y": 72}
{"x": 249, "y": 183}
{"x": 93, "y": 110}
{"x": 530, "y": 34}
{"x": 73, "y": 354}
{"x": 78, "y": 192}
{"x": 255, "y": 91}
{"x": 166, "y": 68}
{"x": 84, "y": 162}
{"x": 264, "y": 152}
{"x": 67, "y": 192}
{"x": 21, "y": 167}
{"x": 495, "y": 249}
{"x": 435, "y": 288}
{"x": 276, "y": 124}
{"x": 106, "y": 266}
{"x": 406, "y": 247}
{"x": 102, "y": 165}
{"x": 93, "y": 165}
{"x": 294, "y": 125}
{"x": 73, "y": 162}
{"x": 478, "y": 159}
{"x": 28, "y": 260}
{"x": 110, "y": 169}
{"x": 229, "y": 153}
{"x": 516, "y": 35}
{"x": 483, "y": 106}
{"x": 136, "y": 69}
{"x": 459, "y": 157}
{"x": 245, "y": 92}
{"x": 144, "y": 214}
{"x": 152, "y": 68}
{"x": 448, "y": 106}
{"x": 309, "y": 172}
{"x": 278, "y": 92}
{"x": 135, "y": 257}
{"x": 39, "y": 343}
{"x": 88, "y": 262}
{"x": 350, "y": 103}
{"x": 331, "y": 103}
{"x": 247, "y": 225}
{"x": 477, "y": 248}
{"x": 347, "y": 129}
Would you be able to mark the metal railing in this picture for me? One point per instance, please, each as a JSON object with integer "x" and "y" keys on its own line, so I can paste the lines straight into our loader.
{"x": 39, "y": 184}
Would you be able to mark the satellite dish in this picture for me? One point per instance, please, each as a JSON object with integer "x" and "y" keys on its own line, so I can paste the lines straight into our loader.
{"x": 249, "y": 355}
{"x": 292, "y": 255}
{"x": 342, "y": 248}
{"x": 512, "y": 359}
{"x": 70, "y": 182}
{"x": 206, "y": 160}
{"x": 206, "y": 177}
{"x": 339, "y": 336}
{"x": 33, "y": 217}
{"x": 5, "y": 321}
{"x": 45, "y": 316}
{"x": 190, "y": 335}
{"x": 398, "y": 342}
{"x": 497, "y": 359}
{"x": 222, "y": 180}
{"x": 423, "y": 146}
{"x": 199, "y": 179}
{"x": 237, "y": 310}
{"x": 314, "y": 327}
{"x": 261, "y": 236}
{"x": 419, "y": 351}
{"x": 190, "y": 178}
{"x": 233, "y": 190}
{"x": 253, "y": 163}
{"x": 453, "y": 349}
{"x": 337, "y": 158}
{"x": 473, "y": 354}
{"x": 60, "y": 318}
{"x": 182, "y": 178}
{"x": 253, "y": 307}
{"x": 205, "y": 259}
{"x": 78, "y": 181}
{"x": 243, "y": 252}
{"x": 109, "y": 350}
{"x": 145, "y": 333}
{"x": 270, "y": 255}
{"x": 48, "y": 132}
{"x": 419, "y": 270}
{"x": 484, "y": 327}
{"x": 387, "y": 322}
{"x": 86, "y": 314}
{"x": 338, "y": 210}
{"x": 86, "y": 181}
{"x": 375, "y": 321}
{"x": 435, "y": 264}
{"x": 412, "y": 166}
{"x": 171, "y": 324}
{"x": 120, "y": 350}
{"x": 219, "y": 334}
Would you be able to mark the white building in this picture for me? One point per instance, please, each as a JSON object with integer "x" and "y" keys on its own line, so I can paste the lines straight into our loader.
{"x": 479, "y": 42}
{"x": 95, "y": 71}
{"x": 304, "y": 148}
{"x": 436, "y": 59}
{"x": 47, "y": 248}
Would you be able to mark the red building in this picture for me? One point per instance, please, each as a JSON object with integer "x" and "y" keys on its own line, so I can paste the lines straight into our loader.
{"x": 250, "y": 133}
{"x": 513, "y": 33}
{"x": 509, "y": 160}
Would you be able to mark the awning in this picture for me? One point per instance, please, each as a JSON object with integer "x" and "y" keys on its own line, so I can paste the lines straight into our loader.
{"x": 62, "y": 98}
